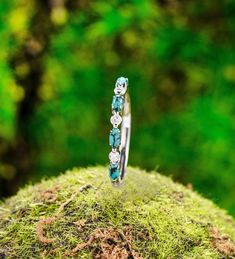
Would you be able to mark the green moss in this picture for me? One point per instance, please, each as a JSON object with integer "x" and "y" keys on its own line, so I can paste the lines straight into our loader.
{"x": 149, "y": 216}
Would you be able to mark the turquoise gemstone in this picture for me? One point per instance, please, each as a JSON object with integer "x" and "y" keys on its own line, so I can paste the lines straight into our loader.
{"x": 114, "y": 171}
{"x": 117, "y": 103}
{"x": 114, "y": 138}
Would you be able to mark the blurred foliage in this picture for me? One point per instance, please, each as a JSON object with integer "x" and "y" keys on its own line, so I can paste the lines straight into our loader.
{"x": 13, "y": 29}
{"x": 179, "y": 57}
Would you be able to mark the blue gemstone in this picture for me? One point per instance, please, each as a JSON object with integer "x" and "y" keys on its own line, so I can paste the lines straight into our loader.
{"x": 117, "y": 103}
{"x": 114, "y": 171}
{"x": 114, "y": 138}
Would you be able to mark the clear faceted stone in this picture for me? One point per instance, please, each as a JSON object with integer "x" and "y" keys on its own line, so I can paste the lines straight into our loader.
{"x": 114, "y": 157}
{"x": 116, "y": 119}
{"x": 121, "y": 86}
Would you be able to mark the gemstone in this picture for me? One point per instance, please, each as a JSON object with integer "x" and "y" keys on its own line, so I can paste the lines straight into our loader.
{"x": 114, "y": 138}
{"x": 114, "y": 171}
{"x": 121, "y": 85}
{"x": 117, "y": 103}
{"x": 116, "y": 120}
{"x": 114, "y": 157}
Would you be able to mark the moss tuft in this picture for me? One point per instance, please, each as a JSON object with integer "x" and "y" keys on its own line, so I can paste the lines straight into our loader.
{"x": 80, "y": 215}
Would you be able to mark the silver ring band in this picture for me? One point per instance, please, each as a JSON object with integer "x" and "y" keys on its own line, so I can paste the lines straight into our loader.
{"x": 120, "y": 140}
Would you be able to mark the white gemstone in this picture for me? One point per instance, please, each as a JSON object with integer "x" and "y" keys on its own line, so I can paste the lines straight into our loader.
{"x": 114, "y": 157}
{"x": 121, "y": 86}
{"x": 116, "y": 119}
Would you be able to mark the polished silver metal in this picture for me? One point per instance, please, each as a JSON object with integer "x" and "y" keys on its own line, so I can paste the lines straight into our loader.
{"x": 122, "y": 118}
{"x": 125, "y": 136}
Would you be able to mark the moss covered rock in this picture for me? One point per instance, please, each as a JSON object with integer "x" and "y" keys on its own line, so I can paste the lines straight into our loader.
{"x": 80, "y": 215}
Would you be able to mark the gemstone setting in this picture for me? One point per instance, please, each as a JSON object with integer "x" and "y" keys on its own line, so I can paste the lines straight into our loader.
{"x": 116, "y": 120}
{"x": 114, "y": 157}
{"x": 114, "y": 172}
{"x": 119, "y": 138}
{"x": 121, "y": 86}
{"x": 114, "y": 138}
{"x": 117, "y": 104}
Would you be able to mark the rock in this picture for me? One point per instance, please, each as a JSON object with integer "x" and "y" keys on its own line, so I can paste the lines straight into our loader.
{"x": 80, "y": 215}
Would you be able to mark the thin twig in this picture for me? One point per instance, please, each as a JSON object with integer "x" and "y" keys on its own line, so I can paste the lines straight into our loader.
{"x": 40, "y": 230}
{"x": 81, "y": 189}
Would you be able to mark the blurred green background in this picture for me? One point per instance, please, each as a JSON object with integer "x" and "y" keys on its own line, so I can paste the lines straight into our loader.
{"x": 59, "y": 61}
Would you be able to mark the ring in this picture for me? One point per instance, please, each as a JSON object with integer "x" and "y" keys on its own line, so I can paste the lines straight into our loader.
{"x": 119, "y": 140}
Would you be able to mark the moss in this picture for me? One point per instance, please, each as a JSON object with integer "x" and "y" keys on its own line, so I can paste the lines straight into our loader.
{"x": 80, "y": 215}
